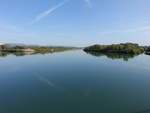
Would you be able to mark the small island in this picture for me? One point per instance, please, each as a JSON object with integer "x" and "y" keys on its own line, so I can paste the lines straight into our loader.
{"x": 124, "y": 48}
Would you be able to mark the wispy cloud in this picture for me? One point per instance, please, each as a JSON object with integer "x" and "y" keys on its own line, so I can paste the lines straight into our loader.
{"x": 49, "y": 11}
{"x": 139, "y": 29}
{"x": 88, "y": 3}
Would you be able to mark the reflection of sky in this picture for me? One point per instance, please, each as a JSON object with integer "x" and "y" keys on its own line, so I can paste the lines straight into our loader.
{"x": 141, "y": 62}
{"x": 75, "y": 79}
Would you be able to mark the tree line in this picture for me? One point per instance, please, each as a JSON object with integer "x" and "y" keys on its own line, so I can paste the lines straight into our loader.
{"x": 36, "y": 49}
{"x": 126, "y": 48}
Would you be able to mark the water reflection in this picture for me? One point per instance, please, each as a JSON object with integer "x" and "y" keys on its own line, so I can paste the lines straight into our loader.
{"x": 113, "y": 56}
{"x": 144, "y": 111}
{"x": 4, "y": 54}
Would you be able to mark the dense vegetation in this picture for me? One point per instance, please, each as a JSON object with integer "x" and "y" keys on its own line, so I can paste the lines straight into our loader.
{"x": 48, "y": 49}
{"x": 127, "y": 48}
{"x": 9, "y": 48}
{"x": 35, "y": 49}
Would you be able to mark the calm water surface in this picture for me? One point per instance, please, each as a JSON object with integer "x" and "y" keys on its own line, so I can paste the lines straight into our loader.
{"x": 74, "y": 82}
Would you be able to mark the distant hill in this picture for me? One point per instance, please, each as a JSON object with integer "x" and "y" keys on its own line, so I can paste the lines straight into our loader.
{"x": 16, "y": 44}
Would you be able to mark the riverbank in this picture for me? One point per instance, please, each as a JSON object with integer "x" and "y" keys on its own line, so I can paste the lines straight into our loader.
{"x": 33, "y": 49}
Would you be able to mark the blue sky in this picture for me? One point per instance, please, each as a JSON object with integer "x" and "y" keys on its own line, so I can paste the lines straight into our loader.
{"x": 75, "y": 22}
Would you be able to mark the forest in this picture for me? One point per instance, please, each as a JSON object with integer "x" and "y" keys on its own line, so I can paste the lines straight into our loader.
{"x": 126, "y": 48}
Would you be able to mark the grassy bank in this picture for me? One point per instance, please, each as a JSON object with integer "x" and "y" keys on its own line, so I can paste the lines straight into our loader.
{"x": 34, "y": 49}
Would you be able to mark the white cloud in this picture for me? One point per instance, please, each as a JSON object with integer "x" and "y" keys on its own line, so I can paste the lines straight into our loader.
{"x": 47, "y": 12}
{"x": 88, "y": 3}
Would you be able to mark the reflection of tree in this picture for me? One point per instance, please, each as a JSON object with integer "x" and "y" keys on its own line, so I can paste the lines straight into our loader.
{"x": 4, "y": 54}
{"x": 147, "y": 52}
{"x": 125, "y": 57}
